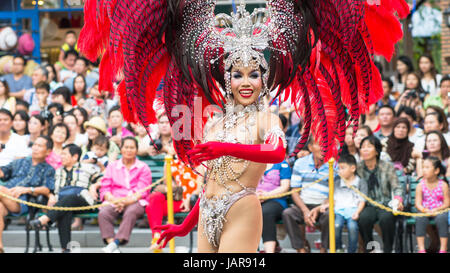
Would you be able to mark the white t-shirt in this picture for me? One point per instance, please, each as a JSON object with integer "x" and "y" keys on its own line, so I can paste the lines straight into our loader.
{"x": 16, "y": 147}
{"x": 432, "y": 87}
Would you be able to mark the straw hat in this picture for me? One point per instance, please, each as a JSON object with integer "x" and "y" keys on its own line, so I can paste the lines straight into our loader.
{"x": 6, "y": 63}
{"x": 8, "y": 39}
{"x": 97, "y": 123}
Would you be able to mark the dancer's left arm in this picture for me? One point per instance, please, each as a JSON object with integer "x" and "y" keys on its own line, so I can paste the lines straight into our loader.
{"x": 272, "y": 150}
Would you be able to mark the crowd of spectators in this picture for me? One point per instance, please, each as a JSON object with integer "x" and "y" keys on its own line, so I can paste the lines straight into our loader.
{"x": 62, "y": 138}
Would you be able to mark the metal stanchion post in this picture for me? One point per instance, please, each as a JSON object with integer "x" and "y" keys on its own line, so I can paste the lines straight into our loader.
{"x": 331, "y": 207}
{"x": 170, "y": 218}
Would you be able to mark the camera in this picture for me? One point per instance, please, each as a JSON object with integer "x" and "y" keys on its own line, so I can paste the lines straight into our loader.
{"x": 411, "y": 94}
{"x": 157, "y": 144}
{"x": 46, "y": 114}
{"x": 95, "y": 160}
{"x": 114, "y": 131}
{"x": 2, "y": 146}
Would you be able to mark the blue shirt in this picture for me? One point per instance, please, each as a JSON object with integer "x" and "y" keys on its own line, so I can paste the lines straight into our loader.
{"x": 22, "y": 173}
{"x": 304, "y": 173}
{"x": 15, "y": 86}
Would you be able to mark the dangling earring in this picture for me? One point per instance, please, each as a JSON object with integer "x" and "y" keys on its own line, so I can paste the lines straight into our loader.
{"x": 229, "y": 106}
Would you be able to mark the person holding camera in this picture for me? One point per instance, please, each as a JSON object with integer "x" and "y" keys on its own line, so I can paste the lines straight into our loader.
{"x": 96, "y": 127}
{"x": 163, "y": 144}
{"x": 99, "y": 152}
{"x": 115, "y": 122}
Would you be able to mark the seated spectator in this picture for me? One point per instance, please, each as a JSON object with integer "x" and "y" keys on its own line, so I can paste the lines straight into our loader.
{"x": 40, "y": 74}
{"x": 386, "y": 116}
{"x": 121, "y": 186}
{"x": 75, "y": 137}
{"x": 432, "y": 195}
{"x": 57, "y": 111}
{"x": 62, "y": 96}
{"x": 20, "y": 123}
{"x": 79, "y": 91}
{"x": 309, "y": 205}
{"x": 382, "y": 183}
{"x": 276, "y": 180}
{"x": 52, "y": 80}
{"x": 349, "y": 143}
{"x": 95, "y": 127}
{"x": 82, "y": 117}
{"x": 440, "y": 99}
{"x": 348, "y": 205}
{"x": 433, "y": 122}
{"x": 143, "y": 139}
{"x": 69, "y": 62}
{"x": 7, "y": 101}
{"x": 40, "y": 98}
{"x": 293, "y": 135}
{"x": 99, "y": 154}
{"x": 72, "y": 183}
{"x": 163, "y": 144}
{"x": 387, "y": 94}
{"x": 415, "y": 133}
{"x": 363, "y": 132}
{"x": 59, "y": 134}
{"x": 371, "y": 118}
{"x": 12, "y": 145}
{"x": 443, "y": 121}
{"x": 24, "y": 177}
{"x": 36, "y": 126}
{"x": 399, "y": 148}
{"x": 435, "y": 145}
{"x": 17, "y": 81}
{"x": 98, "y": 103}
{"x": 116, "y": 131}
{"x": 80, "y": 68}
{"x": 22, "y": 105}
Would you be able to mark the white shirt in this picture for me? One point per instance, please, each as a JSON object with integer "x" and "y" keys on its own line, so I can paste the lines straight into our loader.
{"x": 432, "y": 87}
{"x": 16, "y": 147}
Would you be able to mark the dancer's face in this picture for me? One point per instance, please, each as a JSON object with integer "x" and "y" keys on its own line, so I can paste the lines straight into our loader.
{"x": 246, "y": 84}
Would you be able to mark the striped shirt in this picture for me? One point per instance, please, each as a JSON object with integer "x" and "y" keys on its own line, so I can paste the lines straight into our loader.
{"x": 81, "y": 175}
{"x": 305, "y": 173}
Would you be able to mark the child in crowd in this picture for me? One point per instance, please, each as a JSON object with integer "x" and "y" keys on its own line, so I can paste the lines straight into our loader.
{"x": 70, "y": 43}
{"x": 98, "y": 154}
{"x": 432, "y": 195}
{"x": 348, "y": 204}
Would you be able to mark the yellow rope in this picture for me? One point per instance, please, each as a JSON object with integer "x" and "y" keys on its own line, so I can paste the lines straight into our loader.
{"x": 40, "y": 206}
{"x": 292, "y": 191}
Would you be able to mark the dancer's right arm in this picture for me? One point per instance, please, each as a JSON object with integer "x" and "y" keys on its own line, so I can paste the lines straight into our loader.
{"x": 170, "y": 231}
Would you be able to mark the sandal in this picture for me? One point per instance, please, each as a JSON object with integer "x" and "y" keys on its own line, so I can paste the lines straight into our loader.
{"x": 36, "y": 224}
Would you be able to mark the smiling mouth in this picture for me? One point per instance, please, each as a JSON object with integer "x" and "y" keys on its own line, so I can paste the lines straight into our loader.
{"x": 246, "y": 93}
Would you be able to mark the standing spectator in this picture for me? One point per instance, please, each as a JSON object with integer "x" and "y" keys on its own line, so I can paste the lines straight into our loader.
{"x": 415, "y": 133}
{"x": 429, "y": 77}
{"x": 24, "y": 177}
{"x": 95, "y": 127}
{"x": 116, "y": 130}
{"x": 276, "y": 180}
{"x": 348, "y": 204}
{"x": 18, "y": 82}
{"x": 70, "y": 44}
{"x": 81, "y": 67}
{"x": 309, "y": 205}
{"x": 165, "y": 137}
{"x": 124, "y": 178}
{"x": 79, "y": 90}
{"x": 76, "y": 136}
{"x": 20, "y": 123}
{"x": 14, "y": 146}
{"x": 62, "y": 96}
{"x": 382, "y": 183}
{"x": 40, "y": 98}
{"x": 435, "y": 145}
{"x": 7, "y": 101}
{"x": 387, "y": 94}
{"x": 404, "y": 66}
{"x": 442, "y": 98}
{"x": 432, "y": 195}
{"x": 72, "y": 182}
{"x": 52, "y": 80}
{"x": 399, "y": 148}
{"x": 386, "y": 116}
{"x": 59, "y": 134}
{"x": 372, "y": 120}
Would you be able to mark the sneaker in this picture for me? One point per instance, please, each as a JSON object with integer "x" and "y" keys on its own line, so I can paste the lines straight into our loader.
{"x": 110, "y": 248}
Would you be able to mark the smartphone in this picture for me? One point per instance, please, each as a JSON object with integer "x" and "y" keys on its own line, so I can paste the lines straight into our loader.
{"x": 425, "y": 154}
{"x": 114, "y": 131}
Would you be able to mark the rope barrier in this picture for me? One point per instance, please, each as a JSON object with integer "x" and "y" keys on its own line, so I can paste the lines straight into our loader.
{"x": 292, "y": 191}
{"x": 40, "y": 206}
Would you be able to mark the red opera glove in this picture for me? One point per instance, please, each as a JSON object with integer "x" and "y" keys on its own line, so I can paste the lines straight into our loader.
{"x": 170, "y": 231}
{"x": 261, "y": 153}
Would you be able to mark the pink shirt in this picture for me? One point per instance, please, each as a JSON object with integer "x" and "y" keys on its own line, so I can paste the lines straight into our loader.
{"x": 54, "y": 160}
{"x": 121, "y": 182}
{"x": 125, "y": 132}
